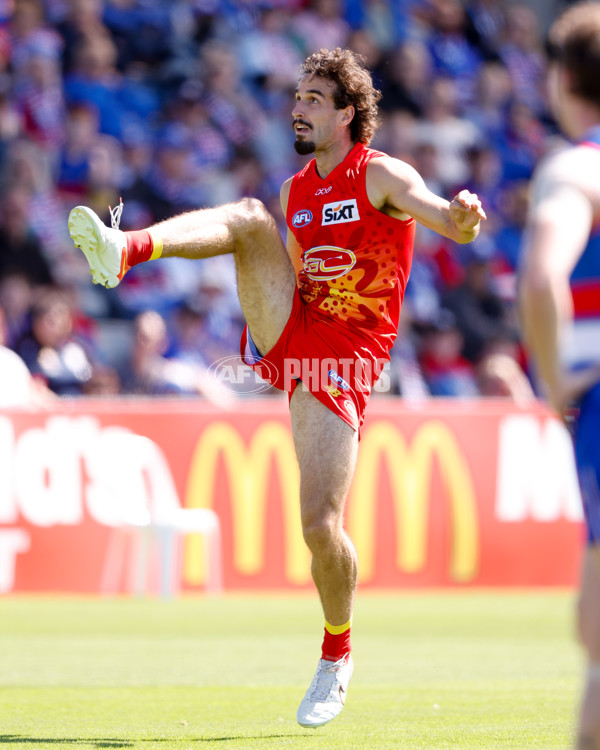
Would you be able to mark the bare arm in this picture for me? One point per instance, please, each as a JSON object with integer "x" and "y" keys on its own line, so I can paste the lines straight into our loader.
{"x": 293, "y": 248}
{"x": 560, "y": 219}
{"x": 397, "y": 189}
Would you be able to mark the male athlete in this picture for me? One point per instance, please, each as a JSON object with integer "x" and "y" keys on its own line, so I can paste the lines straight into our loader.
{"x": 322, "y": 313}
{"x": 560, "y": 296}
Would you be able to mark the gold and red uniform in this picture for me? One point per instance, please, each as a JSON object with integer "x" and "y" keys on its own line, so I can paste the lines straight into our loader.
{"x": 351, "y": 276}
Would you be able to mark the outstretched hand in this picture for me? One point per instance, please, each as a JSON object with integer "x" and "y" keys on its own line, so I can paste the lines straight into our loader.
{"x": 466, "y": 210}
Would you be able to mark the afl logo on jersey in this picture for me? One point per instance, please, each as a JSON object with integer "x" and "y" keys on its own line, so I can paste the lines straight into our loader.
{"x": 302, "y": 218}
{"x": 340, "y": 212}
{"x": 327, "y": 262}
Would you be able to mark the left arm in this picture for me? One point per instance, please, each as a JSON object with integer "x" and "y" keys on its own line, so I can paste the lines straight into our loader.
{"x": 560, "y": 219}
{"x": 397, "y": 189}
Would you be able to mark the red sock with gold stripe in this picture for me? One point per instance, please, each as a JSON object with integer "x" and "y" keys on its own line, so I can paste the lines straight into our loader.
{"x": 336, "y": 642}
{"x": 142, "y": 245}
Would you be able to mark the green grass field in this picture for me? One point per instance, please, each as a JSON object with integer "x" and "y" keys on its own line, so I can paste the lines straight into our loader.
{"x": 432, "y": 670}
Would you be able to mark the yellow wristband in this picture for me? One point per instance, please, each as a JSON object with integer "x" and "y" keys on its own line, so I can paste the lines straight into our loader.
{"x": 157, "y": 245}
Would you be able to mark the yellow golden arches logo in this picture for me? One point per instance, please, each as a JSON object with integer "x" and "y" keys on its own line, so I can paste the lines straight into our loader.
{"x": 249, "y": 469}
{"x": 410, "y": 470}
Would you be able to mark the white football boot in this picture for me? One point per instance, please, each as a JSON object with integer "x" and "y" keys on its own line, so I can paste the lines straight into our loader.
{"x": 325, "y": 697}
{"x": 104, "y": 247}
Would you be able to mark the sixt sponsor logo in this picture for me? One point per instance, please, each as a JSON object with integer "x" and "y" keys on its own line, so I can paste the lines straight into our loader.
{"x": 340, "y": 212}
{"x": 302, "y": 218}
{"x": 338, "y": 380}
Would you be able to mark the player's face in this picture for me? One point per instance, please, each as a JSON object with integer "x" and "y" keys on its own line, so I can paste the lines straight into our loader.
{"x": 316, "y": 120}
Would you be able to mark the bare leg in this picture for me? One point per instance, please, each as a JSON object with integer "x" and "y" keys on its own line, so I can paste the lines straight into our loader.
{"x": 266, "y": 279}
{"x": 326, "y": 448}
{"x": 589, "y": 629}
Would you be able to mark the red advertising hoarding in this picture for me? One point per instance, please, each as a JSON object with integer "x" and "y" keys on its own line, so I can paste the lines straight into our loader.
{"x": 450, "y": 493}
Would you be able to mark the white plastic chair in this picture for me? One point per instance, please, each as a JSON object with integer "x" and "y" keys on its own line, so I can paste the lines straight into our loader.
{"x": 137, "y": 497}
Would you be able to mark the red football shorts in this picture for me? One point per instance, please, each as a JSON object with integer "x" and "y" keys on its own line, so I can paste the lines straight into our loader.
{"x": 317, "y": 354}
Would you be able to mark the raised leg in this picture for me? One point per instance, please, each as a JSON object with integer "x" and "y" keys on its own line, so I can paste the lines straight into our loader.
{"x": 266, "y": 279}
{"x": 265, "y": 276}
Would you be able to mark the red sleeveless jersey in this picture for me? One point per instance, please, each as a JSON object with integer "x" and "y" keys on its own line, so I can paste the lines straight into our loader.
{"x": 355, "y": 260}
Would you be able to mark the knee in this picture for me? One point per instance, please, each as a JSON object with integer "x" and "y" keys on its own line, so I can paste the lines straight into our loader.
{"x": 252, "y": 217}
{"x": 320, "y": 532}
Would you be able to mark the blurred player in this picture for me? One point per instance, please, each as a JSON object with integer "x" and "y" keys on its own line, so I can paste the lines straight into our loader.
{"x": 560, "y": 295}
{"x": 322, "y": 314}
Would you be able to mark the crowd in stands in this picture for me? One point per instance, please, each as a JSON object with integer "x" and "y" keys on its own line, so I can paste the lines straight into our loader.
{"x": 174, "y": 106}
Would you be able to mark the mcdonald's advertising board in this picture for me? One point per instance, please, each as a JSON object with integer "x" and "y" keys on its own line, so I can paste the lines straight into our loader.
{"x": 450, "y": 493}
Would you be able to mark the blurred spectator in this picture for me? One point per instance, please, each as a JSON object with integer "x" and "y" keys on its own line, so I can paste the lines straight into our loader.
{"x": 27, "y": 166}
{"x": 210, "y": 148}
{"x": 227, "y": 102}
{"x": 521, "y": 52}
{"x": 81, "y": 133}
{"x": 40, "y": 97}
{"x": 104, "y": 382}
{"x": 487, "y": 21}
{"x": 451, "y": 133}
{"x": 511, "y": 218}
{"x": 522, "y": 143}
{"x": 494, "y": 94}
{"x": 16, "y": 297}
{"x": 381, "y": 22}
{"x": 321, "y": 25}
{"x": 142, "y": 30}
{"x": 405, "y": 76}
{"x": 103, "y": 174}
{"x": 20, "y": 249}
{"x": 81, "y": 20}
{"x": 50, "y": 348}
{"x": 30, "y": 35}
{"x": 452, "y": 54}
{"x": 151, "y": 372}
{"x": 268, "y": 52}
{"x": 446, "y": 371}
{"x": 172, "y": 183}
{"x": 405, "y": 373}
{"x": 11, "y": 123}
{"x": 17, "y": 387}
{"x": 364, "y": 44}
{"x": 94, "y": 79}
{"x": 477, "y": 307}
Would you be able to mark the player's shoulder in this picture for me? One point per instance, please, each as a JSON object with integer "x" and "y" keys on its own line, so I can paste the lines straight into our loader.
{"x": 568, "y": 170}
{"x": 383, "y": 167}
{"x": 574, "y": 164}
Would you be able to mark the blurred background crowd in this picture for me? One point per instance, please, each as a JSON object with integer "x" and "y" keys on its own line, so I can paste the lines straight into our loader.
{"x": 183, "y": 104}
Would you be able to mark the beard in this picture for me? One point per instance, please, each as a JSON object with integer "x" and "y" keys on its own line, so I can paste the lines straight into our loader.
{"x": 304, "y": 147}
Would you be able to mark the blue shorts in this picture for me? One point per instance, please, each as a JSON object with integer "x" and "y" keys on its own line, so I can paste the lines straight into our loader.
{"x": 587, "y": 457}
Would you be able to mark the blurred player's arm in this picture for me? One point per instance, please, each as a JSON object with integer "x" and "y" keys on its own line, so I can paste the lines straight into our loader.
{"x": 560, "y": 219}
{"x": 397, "y": 189}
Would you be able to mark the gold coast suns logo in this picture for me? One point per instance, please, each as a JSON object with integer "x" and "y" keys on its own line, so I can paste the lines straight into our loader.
{"x": 327, "y": 262}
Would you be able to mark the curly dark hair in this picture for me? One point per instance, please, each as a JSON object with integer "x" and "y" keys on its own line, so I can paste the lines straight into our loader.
{"x": 354, "y": 87}
{"x": 574, "y": 41}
